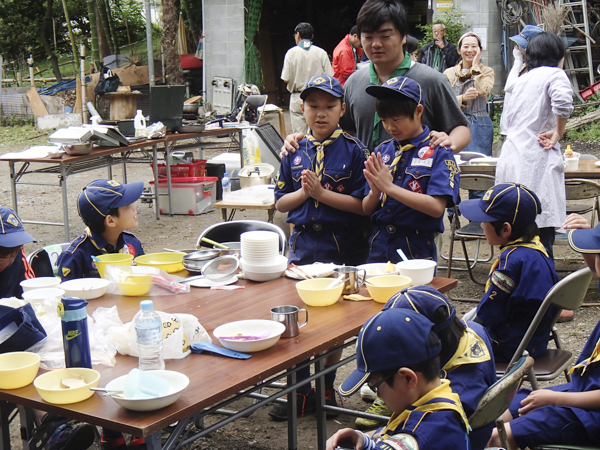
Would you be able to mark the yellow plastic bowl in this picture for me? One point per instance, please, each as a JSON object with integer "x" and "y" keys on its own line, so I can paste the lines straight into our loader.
{"x": 168, "y": 261}
{"x": 18, "y": 369}
{"x": 49, "y": 388}
{"x": 112, "y": 259}
{"x": 134, "y": 285}
{"x": 313, "y": 292}
{"x": 381, "y": 288}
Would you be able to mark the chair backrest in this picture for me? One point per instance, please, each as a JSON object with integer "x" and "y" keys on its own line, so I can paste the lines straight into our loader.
{"x": 44, "y": 261}
{"x": 476, "y": 182}
{"x": 568, "y": 293}
{"x": 255, "y": 102}
{"x": 580, "y": 189}
{"x": 587, "y": 156}
{"x": 231, "y": 232}
{"x": 497, "y": 398}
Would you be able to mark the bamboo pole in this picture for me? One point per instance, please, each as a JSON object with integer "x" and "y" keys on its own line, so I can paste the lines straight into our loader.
{"x": 91, "y": 4}
{"x": 71, "y": 37}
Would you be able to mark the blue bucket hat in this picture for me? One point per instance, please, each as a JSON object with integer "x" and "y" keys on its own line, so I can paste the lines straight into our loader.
{"x": 585, "y": 240}
{"x": 100, "y": 196}
{"x": 522, "y": 39}
{"x": 399, "y": 87}
{"x": 12, "y": 233}
{"x": 325, "y": 83}
{"x": 425, "y": 300}
{"x": 391, "y": 339}
{"x": 508, "y": 202}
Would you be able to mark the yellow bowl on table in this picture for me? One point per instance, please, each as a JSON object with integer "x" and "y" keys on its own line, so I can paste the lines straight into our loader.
{"x": 168, "y": 261}
{"x": 381, "y": 288}
{"x": 135, "y": 284}
{"x": 51, "y": 385}
{"x": 18, "y": 369}
{"x": 314, "y": 292}
{"x": 112, "y": 259}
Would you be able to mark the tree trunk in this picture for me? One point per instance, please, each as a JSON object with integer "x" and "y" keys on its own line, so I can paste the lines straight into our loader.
{"x": 173, "y": 72}
{"x": 111, "y": 24}
{"x": 101, "y": 4}
{"x": 91, "y": 4}
{"x": 44, "y": 27}
{"x": 71, "y": 37}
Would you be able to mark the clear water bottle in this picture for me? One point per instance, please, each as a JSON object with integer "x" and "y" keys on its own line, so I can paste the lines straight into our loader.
{"x": 226, "y": 182}
{"x": 148, "y": 330}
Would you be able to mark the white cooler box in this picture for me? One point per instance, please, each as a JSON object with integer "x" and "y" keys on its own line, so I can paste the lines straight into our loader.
{"x": 189, "y": 195}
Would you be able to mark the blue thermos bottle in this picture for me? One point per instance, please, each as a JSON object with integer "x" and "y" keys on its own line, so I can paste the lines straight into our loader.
{"x": 76, "y": 340}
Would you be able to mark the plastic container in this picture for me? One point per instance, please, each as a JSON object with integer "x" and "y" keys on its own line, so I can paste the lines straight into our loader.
{"x": 189, "y": 196}
{"x": 251, "y": 150}
{"x": 226, "y": 183}
{"x": 148, "y": 330}
{"x": 195, "y": 169}
{"x": 139, "y": 124}
{"x": 76, "y": 341}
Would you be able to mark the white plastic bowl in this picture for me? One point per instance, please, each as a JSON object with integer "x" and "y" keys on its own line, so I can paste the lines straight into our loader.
{"x": 258, "y": 327}
{"x": 177, "y": 383}
{"x": 39, "y": 283}
{"x": 420, "y": 271}
{"x": 376, "y": 269}
{"x": 85, "y": 288}
{"x": 259, "y": 272}
{"x": 39, "y": 295}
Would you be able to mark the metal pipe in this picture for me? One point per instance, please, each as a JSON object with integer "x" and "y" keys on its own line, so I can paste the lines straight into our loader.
{"x": 149, "y": 42}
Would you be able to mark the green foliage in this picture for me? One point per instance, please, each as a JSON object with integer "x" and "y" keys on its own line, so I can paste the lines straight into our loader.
{"x": 588, "y": 133}
{"x": 132, "y": 13}
{"x": 498, "y": 107}
{"x": 581, "y": 109}
{"x": 453, "y": 20}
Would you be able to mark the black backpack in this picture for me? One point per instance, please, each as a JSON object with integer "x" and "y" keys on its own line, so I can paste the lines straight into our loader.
{"x": 108, "y": 82}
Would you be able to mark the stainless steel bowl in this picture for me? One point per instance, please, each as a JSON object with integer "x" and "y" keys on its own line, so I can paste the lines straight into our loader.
{"x": 194, "y": 261}
{"x": 77, "y": 149}
{"x": 233, "y": 248}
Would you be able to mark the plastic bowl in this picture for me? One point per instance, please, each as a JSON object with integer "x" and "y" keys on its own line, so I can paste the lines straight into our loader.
{"x": 270, "y": 329}
{"x": 114, "y": 259}
{"x": 39, "y": 283}
{"x": 313, "y": 292}
{"x": 135, "y": 284}
{"x": 168, "y": 261}
{"x": 85, "y": 288}
{"x": 177, "y": 383}
{"x": 420, "y": 271}
{"x": 49, "y": 387}
{"x": 377, "y": 269}
{"x": 383, "y": 287}
{"x": 266, "y": 272}
{"x": 39, "y": 295}
{"x": 18, "y": 369}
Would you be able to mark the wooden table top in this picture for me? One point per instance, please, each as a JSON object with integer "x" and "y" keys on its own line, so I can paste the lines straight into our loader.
{"x": 587, "y": 169}
{"x": 214, "y": 378}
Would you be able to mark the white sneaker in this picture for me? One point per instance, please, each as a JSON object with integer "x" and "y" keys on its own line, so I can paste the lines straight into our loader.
{"x": 367, "y": 394}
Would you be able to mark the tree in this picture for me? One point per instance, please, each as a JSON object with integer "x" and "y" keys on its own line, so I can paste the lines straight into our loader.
{"x": 173, "y": 72}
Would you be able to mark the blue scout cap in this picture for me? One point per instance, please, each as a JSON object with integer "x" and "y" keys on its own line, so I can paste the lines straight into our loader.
{"x": 325, "y": 83}
{"x": 404, "y": 86}
{"x": 522, "y": 39}
{"x": 508, "y": 202}
{"x": 391, "y": 339}
{"x": 585, "y": 240}
{"x": 425, "y": 300}
{"x": 100, "y": 196}
{"x": 12, "y": 233}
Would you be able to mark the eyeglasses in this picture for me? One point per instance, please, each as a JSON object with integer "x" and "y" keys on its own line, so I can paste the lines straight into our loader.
{"x": 375, "y": 386}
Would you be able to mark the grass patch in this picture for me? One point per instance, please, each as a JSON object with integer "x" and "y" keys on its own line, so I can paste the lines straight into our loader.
{"x": 587, "y": 133}
{"x": 20, "y": 137}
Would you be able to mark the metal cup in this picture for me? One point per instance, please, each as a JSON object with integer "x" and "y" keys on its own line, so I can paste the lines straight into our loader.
{"x": 288, "y": 315}
{"x": 354, "y": 280}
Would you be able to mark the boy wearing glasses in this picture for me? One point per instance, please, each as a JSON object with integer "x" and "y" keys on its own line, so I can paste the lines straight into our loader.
{"x": 397, "y": 355}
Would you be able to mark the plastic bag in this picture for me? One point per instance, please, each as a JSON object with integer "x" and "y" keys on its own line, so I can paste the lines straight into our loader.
{"x": 142, "y": 280}
{"x": 251, "y": 151}
{"x": 179, "y": 332}
{"x": 156, "y": 130}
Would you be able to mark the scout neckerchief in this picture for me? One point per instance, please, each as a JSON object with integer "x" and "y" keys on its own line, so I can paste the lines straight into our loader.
{"x": 534, "y": 244}
{"x": 470, "y": 350}
{"x": 583, "y": 365}
{"x": 440, "y": 398}
{"x": 353, "y": 51}
{"x": 437, "y": 59}
{"x": 400, "y": 149}
{"x": 374, "y": 79}
{"x": 321, "y": 153}
{"x": 305, "y": 44}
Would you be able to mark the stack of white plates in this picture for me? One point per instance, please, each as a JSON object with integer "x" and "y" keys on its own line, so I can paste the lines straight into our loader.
{"x": 261, "y": 260}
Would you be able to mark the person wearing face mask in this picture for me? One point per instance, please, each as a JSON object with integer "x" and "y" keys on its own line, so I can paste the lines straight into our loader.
{"x": 472, "y": 83}
{"x": 441, "y": 53}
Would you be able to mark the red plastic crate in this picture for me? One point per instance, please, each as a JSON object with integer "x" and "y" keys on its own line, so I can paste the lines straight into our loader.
{"x": 194, "y": 170}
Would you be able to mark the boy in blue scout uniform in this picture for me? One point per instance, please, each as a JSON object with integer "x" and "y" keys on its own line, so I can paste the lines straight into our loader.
{"x": 523, "y": 274}
{"x": 108, "y": 209}
{"x": 321, "y": 186}
{"x": 397, "y": 355}
{"x": 407, "y": 207}
{"x": 14, "y": 267}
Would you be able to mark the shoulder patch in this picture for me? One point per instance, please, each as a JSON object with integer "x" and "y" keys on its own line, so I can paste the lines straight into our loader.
{"x": 503, "y": 281}
{"x": 65, "y": 271}
{"x": 400, "y": 441}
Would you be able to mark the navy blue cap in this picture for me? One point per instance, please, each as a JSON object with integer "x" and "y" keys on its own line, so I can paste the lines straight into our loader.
{"x": 508, "y": 202}
{"x": 100, "y": 196}
{"x": 425, "y": 300}
{"x": 585, "y": 240}
{"x": 399, "y": 86}
{"x": 12, "y": 233}
{"x": 522, "y": 39}
{"x": 325, "y": 83}
{"x": 391, "y": 339}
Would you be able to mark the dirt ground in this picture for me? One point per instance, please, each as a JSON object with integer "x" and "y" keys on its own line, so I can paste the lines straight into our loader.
{"x": 43, "y": 203}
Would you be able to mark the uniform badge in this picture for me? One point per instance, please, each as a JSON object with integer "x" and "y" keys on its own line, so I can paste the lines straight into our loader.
{"x": 425, "y": 152}
{"x": 281, "y": 184}
{"x": 415, "y": 186}
{"x": 487, "y": 194}
{"x": 385, "y": 158}
{"x": 503, "y": 281}
{"x": 400, "y": 442}
{"x": 66, "y": 271}
{"x": 328, "y": 186}
{"x": 340, "y": 188}
{"x": 12, "y": 220}
{"x": 476, "y": 350}
{"x": 113, "y": 183}
{"x": 451, "y": 165}
{"x": 319, "y": 80}
{"x": 297, "y": 160}
{"x": 129, "y": 249}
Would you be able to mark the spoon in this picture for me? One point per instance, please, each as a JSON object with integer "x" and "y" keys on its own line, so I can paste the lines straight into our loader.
{"x": 340, "y": 279}
{"x": 402, "y": 255}
{"x": 99, "y": 389}
{"x": 216, "y": 244}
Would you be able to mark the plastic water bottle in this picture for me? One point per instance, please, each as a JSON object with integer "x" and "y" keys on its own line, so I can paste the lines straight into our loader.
{"x": 226, "y": 182}
{"x": 139, "y": 124}
{"x": 148, "y": 330}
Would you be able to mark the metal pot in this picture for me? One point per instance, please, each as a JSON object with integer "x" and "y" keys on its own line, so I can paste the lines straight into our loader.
{"x": 194, "y": 261}
{"x": 256, "y": 175}
{"x": 191, "y": 108}
{"x": 234, "y": 248}
{"x": 77, "y": 149}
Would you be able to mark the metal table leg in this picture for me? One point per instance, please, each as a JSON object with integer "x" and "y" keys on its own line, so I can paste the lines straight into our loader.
{"x": 13, "y": 186}
{"x": 291, "y": 413}
{"x": 155, "y": 170}
{"x": 168, "y": 166}
{"x": 63, "y": 183}
{"x": 5, "y": 410}
{"x": 320, "y": 399}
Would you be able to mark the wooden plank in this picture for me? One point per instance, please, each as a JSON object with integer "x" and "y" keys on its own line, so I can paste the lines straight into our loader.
{"x": 37, "y": 105}
{"x": 189, "y": 101}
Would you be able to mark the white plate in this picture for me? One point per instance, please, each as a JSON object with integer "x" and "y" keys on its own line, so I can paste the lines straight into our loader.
{"x": 205, "y": 282}
{"x": 316, "y": 270}
{"x": 489, "y": 161}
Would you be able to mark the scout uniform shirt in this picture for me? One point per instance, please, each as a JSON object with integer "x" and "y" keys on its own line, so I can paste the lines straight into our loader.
{"x": 11, "y": 277}
{"x": 419, "y": 168}
{"x": 321, "y": 232}
{"x": 516, "y": 287}
{"x": 76, "y": 261}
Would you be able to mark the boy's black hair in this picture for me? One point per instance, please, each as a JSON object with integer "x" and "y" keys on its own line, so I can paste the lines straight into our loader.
{"x": 449, "y": 336}
{"x": 374, "y": 13}
{"x": 100, "y": 227}
{"x": 8, "y": 251}
{"x": 399, "y": 106}
{"x": 544, "y": 49}
{"x": 353, "y": 30}
{"x": 412, "y": 43}
{"x": 305, "y": 29}
{"x": 526, "y": 232}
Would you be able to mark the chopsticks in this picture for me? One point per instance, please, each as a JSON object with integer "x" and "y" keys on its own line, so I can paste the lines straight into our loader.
{"x": 301, "y": 273}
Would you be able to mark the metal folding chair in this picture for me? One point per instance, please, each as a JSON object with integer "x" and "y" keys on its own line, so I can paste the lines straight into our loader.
{"x": 44, "y": 261}
{"x": 255, "y": 103}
